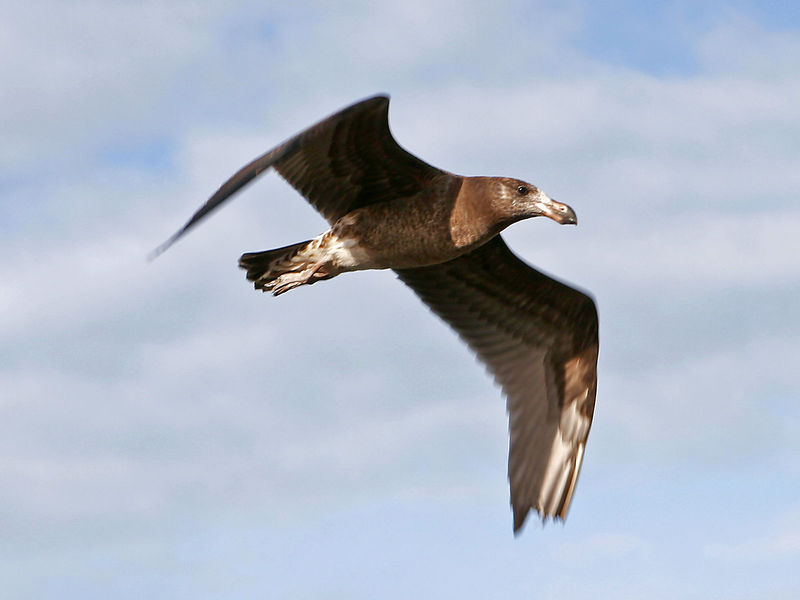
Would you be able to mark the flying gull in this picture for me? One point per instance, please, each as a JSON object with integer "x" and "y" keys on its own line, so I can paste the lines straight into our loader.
{"x": 439, "y": 232}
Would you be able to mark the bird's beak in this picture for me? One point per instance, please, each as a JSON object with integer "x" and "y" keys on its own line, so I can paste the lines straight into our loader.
{"x": 560, "y": 213}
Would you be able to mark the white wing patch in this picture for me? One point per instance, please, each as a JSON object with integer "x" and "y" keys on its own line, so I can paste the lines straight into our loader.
{"x": 547, "y": 438}
{"x": 564, "y": 461}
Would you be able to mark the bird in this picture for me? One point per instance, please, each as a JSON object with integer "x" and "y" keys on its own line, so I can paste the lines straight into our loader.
{"x": 440, "y": 233}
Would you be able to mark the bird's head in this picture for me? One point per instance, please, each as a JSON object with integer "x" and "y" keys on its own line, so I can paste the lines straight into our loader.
{"x": 524, "y": 200}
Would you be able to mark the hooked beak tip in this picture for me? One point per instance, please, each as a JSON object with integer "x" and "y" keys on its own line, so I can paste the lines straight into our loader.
{"x": 562, "y": 213}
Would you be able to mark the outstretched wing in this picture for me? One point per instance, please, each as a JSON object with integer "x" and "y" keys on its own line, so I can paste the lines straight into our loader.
{"x": 344, "y": 162}
{"x": 538, "y": 337}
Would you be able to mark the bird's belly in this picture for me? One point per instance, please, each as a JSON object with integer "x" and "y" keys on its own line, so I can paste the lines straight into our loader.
{"x": 344, "y": 253}
{"x": 407, "y": 254}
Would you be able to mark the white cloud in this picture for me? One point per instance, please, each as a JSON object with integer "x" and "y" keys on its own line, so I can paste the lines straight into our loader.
{"x": 601, "y": 546}
{"x": 780, "y": 543}
{"x": 703, "y": 249}
{"x": 85, "y": 72}
{"x": 739, "y": 46}
{"x": 713, "y": 408}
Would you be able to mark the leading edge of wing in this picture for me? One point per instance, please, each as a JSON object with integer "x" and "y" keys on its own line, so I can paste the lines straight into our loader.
{"x": 250, "y": 171}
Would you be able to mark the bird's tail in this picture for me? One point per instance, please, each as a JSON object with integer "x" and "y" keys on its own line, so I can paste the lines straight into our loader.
{"x": 278, "y": 270}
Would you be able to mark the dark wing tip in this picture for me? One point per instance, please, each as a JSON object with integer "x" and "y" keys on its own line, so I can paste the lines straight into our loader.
{"x": 156, "y": 252}
{"x": 521, "y": 513}
{"x": 377, "y": 98}
{"x": 521, "y": 516}
{"x": 519, "y": 519}
{"x": 235, "y": 183}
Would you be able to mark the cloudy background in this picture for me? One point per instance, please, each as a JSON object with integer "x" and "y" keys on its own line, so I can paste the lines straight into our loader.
{"x": 166, "y": 432}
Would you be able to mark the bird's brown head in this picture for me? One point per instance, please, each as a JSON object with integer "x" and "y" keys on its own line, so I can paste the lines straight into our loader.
{"x": 524, "y": 200}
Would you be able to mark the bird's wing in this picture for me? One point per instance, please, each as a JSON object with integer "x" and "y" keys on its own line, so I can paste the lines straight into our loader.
{"x": 344, "y": 162}
{"x": 538, "y": 337}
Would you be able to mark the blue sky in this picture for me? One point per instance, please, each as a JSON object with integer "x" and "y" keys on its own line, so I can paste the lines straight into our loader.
{"x": 167, "y": 432}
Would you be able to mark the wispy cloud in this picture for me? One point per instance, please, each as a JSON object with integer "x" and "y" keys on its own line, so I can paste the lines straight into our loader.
{"x": 781, "y": 542}
{"x": 601, "y": 546}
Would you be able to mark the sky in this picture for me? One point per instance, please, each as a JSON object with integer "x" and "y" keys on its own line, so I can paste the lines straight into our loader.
{"x": 167, "y": 432}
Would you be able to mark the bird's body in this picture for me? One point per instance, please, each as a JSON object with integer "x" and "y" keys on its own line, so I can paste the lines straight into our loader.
{"x": 439, "y": 231}
{"x": 446, "y": 220}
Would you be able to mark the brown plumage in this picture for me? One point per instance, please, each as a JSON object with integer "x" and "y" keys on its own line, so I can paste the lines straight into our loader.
{"x": 439, "y": 232}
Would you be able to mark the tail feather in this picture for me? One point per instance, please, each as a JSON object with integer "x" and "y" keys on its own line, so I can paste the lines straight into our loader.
{"x": 265, "y": 266}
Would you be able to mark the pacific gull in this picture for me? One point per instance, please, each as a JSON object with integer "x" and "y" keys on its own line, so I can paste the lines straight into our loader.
{"x": 439, "y": 232}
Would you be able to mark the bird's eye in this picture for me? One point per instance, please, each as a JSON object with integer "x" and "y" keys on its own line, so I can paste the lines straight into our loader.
{"x": 522, "y": 190}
